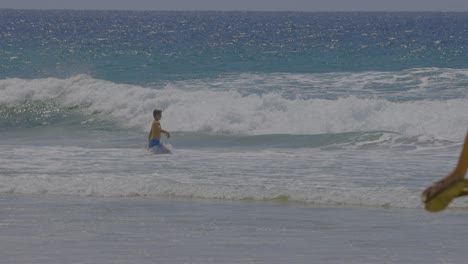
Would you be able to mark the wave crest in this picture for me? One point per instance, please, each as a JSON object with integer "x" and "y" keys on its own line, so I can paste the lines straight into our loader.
{"x": 232, "y": 112}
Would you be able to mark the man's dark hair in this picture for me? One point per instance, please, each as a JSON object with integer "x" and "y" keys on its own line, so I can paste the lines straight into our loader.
{"x": 156, "y": 112}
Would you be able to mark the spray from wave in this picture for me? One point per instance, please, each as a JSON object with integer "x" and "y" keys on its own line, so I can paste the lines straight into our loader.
{"x": 231, "y": 112}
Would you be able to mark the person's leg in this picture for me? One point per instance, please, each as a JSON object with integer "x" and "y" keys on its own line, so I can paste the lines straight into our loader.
{"x": 462, "y": 165}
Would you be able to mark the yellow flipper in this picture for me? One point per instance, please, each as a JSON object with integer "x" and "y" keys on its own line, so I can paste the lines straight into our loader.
{"x": 439, "y": 195}
{"x": 435, "y": 202}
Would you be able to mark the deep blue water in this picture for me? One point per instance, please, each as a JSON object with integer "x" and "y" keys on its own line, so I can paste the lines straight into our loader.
{"x": 148, "y": 47}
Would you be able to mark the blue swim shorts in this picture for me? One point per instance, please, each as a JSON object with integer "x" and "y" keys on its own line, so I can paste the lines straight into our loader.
{"x": 153, "y": 143}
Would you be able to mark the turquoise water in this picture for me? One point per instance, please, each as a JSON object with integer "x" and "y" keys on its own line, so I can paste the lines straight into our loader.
{"x": 146, "y": 47}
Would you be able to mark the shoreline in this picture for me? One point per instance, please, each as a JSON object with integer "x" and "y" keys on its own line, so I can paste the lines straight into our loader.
{"x": 66, "y": 229}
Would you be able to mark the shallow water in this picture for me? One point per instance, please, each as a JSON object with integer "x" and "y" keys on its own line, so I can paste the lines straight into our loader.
{"x": 385, "y": 178}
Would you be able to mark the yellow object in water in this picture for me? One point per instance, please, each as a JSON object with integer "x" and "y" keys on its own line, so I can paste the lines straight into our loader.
{"x": 441, "y": 200}
{"x": 439, "y": 195}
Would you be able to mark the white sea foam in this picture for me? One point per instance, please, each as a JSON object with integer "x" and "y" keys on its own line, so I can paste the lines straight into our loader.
{"x": 152, "y": 185}
{"x": 345, "y": 177}
{"x": 228, "y": 110}
{"x": 314, "y": 177}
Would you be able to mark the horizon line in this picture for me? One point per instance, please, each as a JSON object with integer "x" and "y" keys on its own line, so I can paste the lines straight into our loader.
{"x": 235, "y": 10}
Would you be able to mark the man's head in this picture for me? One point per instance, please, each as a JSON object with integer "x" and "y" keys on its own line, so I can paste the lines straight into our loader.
{"x": 157, "y": 114}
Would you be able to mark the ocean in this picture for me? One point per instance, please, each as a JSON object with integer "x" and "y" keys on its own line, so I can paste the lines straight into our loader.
{"x": 297, "y": 137}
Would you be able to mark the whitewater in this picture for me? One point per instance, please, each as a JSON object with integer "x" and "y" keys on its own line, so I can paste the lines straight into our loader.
{"x": 250, "y": 104}
{"x": 235, "y": 139}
